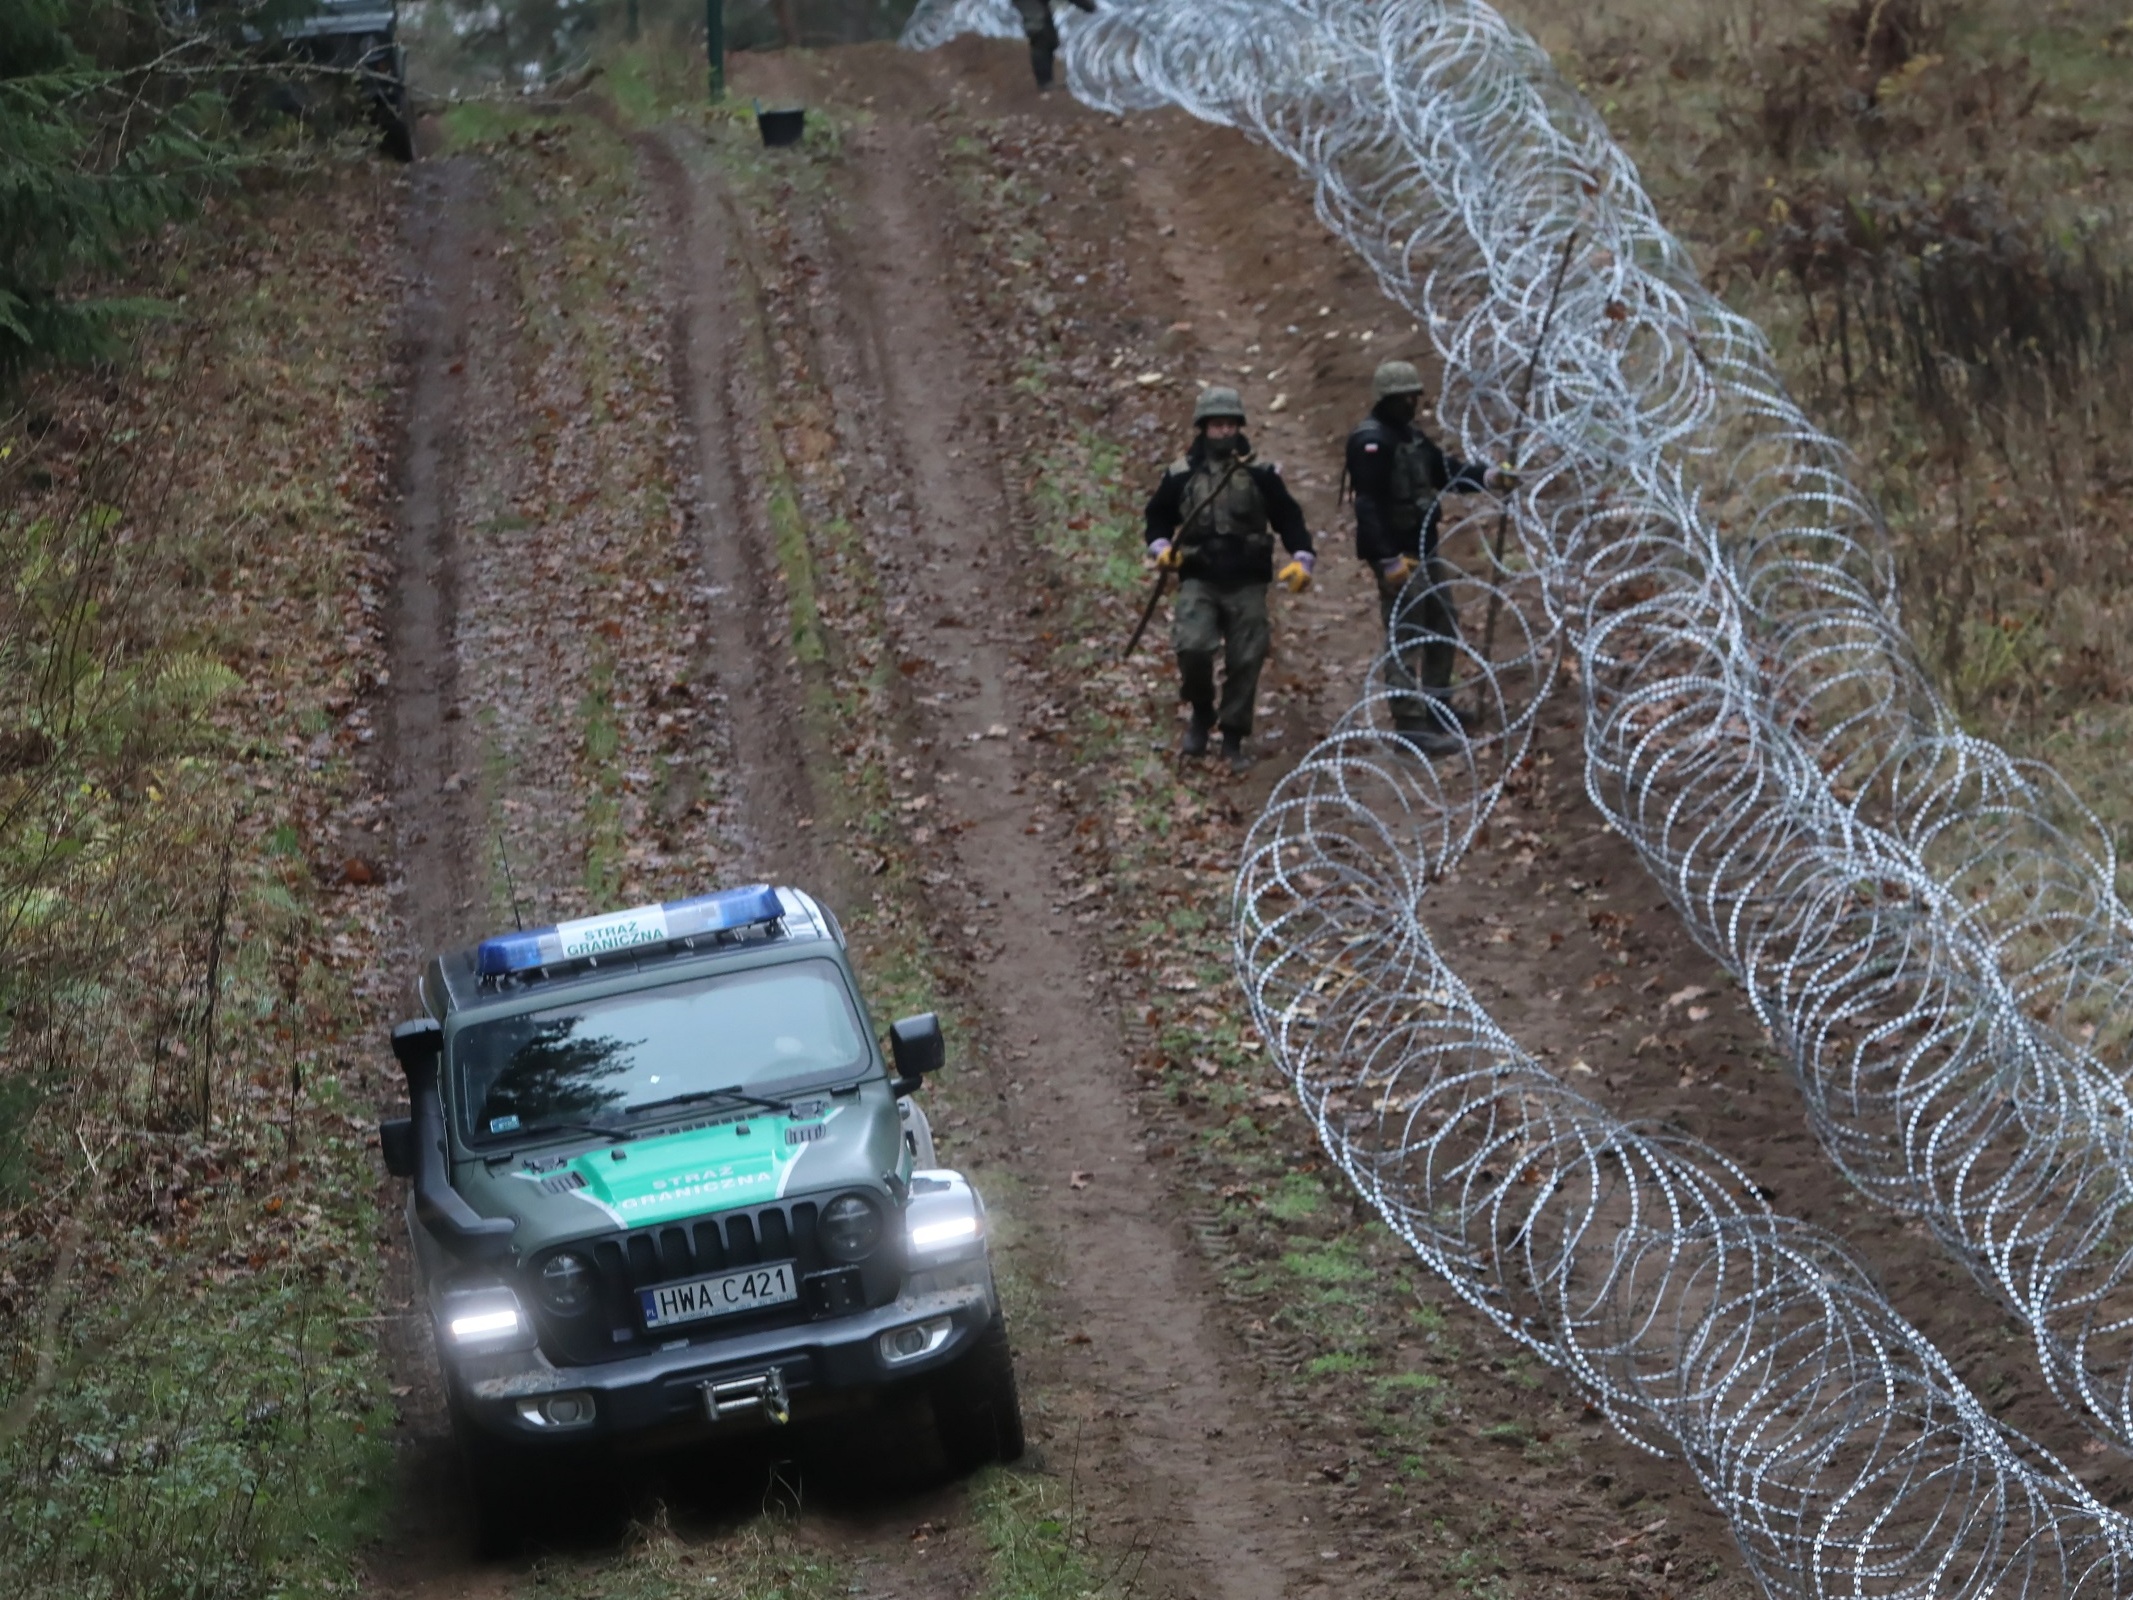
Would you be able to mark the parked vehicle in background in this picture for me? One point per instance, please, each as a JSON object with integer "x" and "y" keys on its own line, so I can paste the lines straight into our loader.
{"x": 334, "y": 53}
{"x": 356, "y": 41}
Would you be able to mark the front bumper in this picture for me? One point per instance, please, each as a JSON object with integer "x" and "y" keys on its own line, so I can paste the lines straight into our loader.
{"x": 820, "y": 1366}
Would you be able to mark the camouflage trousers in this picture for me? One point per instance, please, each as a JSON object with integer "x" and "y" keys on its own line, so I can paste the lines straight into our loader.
{"x": 1427, "y": 631}
{"x": 1043, "y": 36}
{"x": 1209, "y": 617}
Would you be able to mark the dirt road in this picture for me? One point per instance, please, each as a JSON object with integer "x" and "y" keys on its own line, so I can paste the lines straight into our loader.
{"x": 754, "y": 511}
{"x": 933, "y": 478}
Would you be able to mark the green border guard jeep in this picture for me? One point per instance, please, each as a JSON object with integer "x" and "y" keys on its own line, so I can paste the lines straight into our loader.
{"x": 665, "y": 1188}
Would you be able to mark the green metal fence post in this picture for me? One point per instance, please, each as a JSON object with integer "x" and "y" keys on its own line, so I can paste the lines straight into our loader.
{"x": 715, "y": 37}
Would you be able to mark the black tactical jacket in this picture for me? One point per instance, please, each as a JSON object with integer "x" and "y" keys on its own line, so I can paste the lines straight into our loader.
{"x": 1227, "y": 560}
{"x": 1397, "y": 472}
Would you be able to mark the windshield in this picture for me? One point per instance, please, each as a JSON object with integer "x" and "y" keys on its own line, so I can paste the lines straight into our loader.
{"x": 768, "y": 1029}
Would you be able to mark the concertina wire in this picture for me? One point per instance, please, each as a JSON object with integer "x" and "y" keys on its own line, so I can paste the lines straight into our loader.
{"x": 1928, "y": 927}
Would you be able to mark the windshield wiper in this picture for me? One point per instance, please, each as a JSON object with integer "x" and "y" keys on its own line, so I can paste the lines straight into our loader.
{"x": 622, "y": 1132}
{"x": 516, "y": 1151}
{"x": 544, "y": 1130}
{"x": 606, "y": 1130}
{"x": 732, "y": 1091}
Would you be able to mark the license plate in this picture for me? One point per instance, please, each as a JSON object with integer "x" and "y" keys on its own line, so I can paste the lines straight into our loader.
{"x": 719, "y": 1296}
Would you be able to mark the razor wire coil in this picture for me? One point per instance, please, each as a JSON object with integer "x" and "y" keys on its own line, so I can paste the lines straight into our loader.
{"x": 1929, "y": 927}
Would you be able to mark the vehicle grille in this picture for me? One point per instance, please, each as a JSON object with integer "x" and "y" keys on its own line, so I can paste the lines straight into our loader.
{"x": 639, "y": 1258}
{"x": 645, "y": 1256}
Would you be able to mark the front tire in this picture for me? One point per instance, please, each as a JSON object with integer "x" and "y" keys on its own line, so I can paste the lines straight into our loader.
{"x": 398, "y": 138}
{"x": 500, "y": 1489}
{"x": 976, "y": 1408}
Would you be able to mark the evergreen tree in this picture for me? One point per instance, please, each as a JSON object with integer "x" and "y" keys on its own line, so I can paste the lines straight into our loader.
{"x": 93, "y": 158}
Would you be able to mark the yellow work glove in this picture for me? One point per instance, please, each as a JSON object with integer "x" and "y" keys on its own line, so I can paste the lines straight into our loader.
{"x": 1502, "y": 478}
{"x": 1394, "y": 574}
{"x": 1168, "y": 557}
{"x": 1297, "y": 574}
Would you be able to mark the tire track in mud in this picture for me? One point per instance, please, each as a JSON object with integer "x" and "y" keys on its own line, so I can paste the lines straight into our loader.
{"x": 451, "y": 337}
{"x": 721, "y": 452}
{"x": 1197, "y": 1473}
{"x": 501, "y": 560}
{"x": 718, "y": 454}
{"x": 446, "y": 222}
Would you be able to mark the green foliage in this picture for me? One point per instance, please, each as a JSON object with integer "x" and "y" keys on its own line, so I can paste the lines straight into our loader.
{"x": 1041, "y": 1549}
{"x": 174, "y": 1453}
{"x": 85, "y": 724}
{"x": 192, "y": 1401}
{"x": 18, "y": 1103}
{"x": 1296, "y": 1197}
{"x": 157, "y": 1442}
{"x": 474, "y": 123}
{"x": 95, "y": 158}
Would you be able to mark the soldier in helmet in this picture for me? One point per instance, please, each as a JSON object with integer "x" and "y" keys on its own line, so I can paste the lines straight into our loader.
{"x": 1212, "y": 520}
{"x": 1043, "y": 35}
{"x": 1397, "y": 474}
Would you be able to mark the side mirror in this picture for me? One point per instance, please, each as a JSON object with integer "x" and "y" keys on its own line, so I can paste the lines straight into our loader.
{"x": 396, "y": 1141}
{"x": 916, "y": 1045}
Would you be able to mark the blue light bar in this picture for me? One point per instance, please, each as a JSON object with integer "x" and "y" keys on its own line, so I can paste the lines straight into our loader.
{"x": 627, "y": 930}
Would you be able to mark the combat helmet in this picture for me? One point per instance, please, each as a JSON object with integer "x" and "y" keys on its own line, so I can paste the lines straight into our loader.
{"x": 1395, "y": 377}
{"x": 1218, "y": 402}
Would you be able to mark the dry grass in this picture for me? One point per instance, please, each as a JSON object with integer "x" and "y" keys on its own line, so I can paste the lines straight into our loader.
{"x": 1928, "y": 203}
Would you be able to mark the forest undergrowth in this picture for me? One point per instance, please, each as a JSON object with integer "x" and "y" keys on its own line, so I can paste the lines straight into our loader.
{"x": 196, "y": 548}
{"x": 1926, "y": 204}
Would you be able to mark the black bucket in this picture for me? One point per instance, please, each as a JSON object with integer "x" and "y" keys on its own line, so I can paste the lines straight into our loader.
{"x": 781, "y": 124}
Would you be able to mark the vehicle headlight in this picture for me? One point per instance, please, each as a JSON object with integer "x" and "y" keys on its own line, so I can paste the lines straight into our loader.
{"x": 940, "y": 1235}
{"x": 484, "y": 1322}
{"x": 566, "y": 1283}
{"x": 851, "y": 1228}
{"x": 945, "y": 1220}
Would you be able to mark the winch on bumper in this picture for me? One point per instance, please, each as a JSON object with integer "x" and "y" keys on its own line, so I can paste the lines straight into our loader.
{"x": 763, "y": 1376}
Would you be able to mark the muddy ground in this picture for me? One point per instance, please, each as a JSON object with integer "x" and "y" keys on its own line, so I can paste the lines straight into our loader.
{"x": 728, "y": 551}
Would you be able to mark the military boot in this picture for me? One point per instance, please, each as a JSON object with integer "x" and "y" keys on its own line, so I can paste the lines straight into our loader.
{"x": 1451, "y": 712}
{"x": 1194, "y": 743}
{"x": 1428, "y": 738}
{"x": 1234, "y": 753}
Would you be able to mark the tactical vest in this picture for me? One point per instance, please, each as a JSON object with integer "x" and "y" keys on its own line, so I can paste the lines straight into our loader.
{"x": 1414, "y": 478}
{"x": 1235, "y": 512}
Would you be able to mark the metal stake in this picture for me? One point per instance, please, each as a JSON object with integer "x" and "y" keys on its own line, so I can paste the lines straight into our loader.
{"x": 1525, "y": 397}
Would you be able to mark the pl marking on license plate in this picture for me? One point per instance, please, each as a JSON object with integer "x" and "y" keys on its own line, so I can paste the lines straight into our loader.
{"x": 719, "y": 1296}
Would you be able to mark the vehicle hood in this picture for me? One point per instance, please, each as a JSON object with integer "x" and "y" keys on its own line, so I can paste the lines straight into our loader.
{"x": 697, "y": 1171}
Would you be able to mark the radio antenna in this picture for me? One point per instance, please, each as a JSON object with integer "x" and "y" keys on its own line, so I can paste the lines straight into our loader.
{"x": 510, "y": 883}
